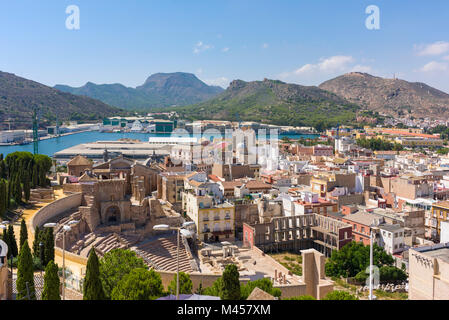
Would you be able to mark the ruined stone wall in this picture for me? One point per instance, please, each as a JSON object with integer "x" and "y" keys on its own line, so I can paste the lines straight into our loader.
{"x": 54, "y": 209}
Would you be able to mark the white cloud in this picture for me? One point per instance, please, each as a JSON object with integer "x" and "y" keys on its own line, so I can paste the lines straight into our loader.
{"x": 265, "y": 45}
{"x": 332, "y": 64}
{"x": 434, "y": 66}
{"x": 324, "y": 69}
{"x": 225, "y": 49}
{"x": 221, "y": 81}
{"x": 200, "y": 47}
{"x": 433, "y": 49}
{"x": 446, "y": 58}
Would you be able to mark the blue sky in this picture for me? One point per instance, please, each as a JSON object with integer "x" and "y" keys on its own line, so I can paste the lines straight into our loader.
{"x": 299, "y": 41}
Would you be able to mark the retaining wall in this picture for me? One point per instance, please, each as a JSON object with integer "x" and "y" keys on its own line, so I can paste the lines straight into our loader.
{"x": 54, "y": 209}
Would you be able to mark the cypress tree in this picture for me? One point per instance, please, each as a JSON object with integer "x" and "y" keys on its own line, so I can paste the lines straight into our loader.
{"x": 26, "y": 186}
{"x": 35, "y": 176}
{"x": 36, "y": 242}
{"x": 92, "y": 288}
{"x": 8, "y": 194}
{"x": 12, "y": 241}
{"x": 23, "y": 233}
{"x": 17, "y": 190}
{"x": 51, "y": 282}
{"x": 2, "y": 197}
{"x": 25, "y": 274}
{"x": 231, "y": 284}
{"x": 49, "y": 246}
{"x": 2, "y": 167}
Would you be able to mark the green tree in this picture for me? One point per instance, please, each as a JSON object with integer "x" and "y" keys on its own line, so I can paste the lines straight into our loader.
{"x": 49, "y": 246}
{"x": 26, "y": 186}
{"x": 230, "y": 283}
{"x": 8, "y": 194}
{"x": 36, "y": 241}
{"x": 92, "y": 288}
{"x": 264, "y": 284}
{"x": 17, "y": 190}
{"x": 391, "y": 274}
{"x": 140, "y": 284}
{"x": 185, "y": 284}
{"x": 3, "y": 192}
{"x": 353, "y": 258}
{"x": 115, "y": 265}
{"x": 23, "y": 233}
{"x": 12, "y": 242}
{"x": 215, "y": 289}
{"x": 340, "y": 295}
{"x": 51, "y": 282}
{"x": 35, "y": 176}
{"x": 200, "y": 289}
{"x": 25, "y": 274}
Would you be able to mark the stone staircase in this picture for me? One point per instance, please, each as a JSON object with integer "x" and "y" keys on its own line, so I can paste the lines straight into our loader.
{"x": 161, "y": 254}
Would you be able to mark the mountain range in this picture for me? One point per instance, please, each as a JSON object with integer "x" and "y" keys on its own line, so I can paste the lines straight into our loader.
{"x": 273, "y": 101}
{"x": 390, "y": 96}
{"x": 18, "y": 96}
{"x": 159, "y": 90}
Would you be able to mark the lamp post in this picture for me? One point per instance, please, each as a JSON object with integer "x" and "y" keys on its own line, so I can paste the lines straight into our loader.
{"x": 373, "y": 228}
{"x": 165, "y": 227}
{"x": 41, "y": 255}
{"x": 65, "y": 228}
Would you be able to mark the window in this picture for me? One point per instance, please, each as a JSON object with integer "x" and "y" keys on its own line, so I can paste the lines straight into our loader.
{"x": 363, "y": 229}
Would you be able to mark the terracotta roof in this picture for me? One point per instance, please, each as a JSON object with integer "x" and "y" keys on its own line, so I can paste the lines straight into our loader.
{"x": 213, "y": 177}
{"x": 195, "y": 183}
{"x": 79, "y": 161}
{"x": 259, "y": 294}
{"x": 257, "y": 184}
{"x": 231, "y": 184}
{"x": 86, "y": 178}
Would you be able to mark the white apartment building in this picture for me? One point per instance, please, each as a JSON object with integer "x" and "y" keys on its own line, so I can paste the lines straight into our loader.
{"x": 391, "y": 238}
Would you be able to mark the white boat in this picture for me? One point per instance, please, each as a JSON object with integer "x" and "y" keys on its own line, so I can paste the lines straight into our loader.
{"x": 137, "y": 126}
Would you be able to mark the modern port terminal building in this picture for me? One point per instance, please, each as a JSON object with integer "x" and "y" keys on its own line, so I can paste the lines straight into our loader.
{"x": 133, "y": 149}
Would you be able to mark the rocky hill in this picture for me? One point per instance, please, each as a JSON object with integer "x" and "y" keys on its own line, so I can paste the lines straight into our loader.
{"x": 273, "y": 101}
{"x": 390, "y": 96}
{"x": 159, "y": 90}
{"x": 19, "y": 95}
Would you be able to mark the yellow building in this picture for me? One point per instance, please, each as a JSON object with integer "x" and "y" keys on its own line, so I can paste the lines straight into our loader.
{"x": 215, "y": 221}
{"x": 440, "y": 211}
{"x": 419, "y": 142}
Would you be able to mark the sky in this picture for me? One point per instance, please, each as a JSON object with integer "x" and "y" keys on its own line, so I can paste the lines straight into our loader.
{"x": 297, "y": 41}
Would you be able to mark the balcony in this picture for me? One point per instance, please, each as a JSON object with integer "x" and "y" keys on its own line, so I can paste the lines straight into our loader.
{"x": 228, "y": 218}
{"x": 217, "y": 218}
{"x": 206, "y": 230}
{"x": 206, "y": 219}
